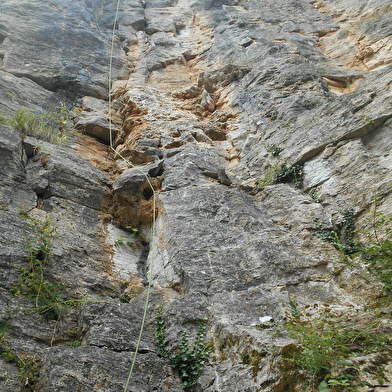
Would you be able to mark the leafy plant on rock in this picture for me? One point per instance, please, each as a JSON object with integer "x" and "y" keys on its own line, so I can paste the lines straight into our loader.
{"x": 160, "y": 334}
{"x": 39, "y": 125}
{"x": 273, "y": 149}
{"x": 377, "y": 252}
{"x": 314, "y": 194}
{"x": 292, "y": 174}
{"x": 341, "y": 236}
{"x": 283, "y": 174}
{"x": 29, "y": 366}
{"x": 324, "y": 342}
{"x": 49, "y": 295}
{"x": 135, "y": 233}
{"x": 190, "y": 359}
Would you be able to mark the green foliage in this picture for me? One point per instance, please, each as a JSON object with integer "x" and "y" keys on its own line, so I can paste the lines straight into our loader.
{"x": 314, "y": 195}
{"x": 348, "y": 84}
{"x": 134, "y": 233}
{"x": 75, "y": 343}
{"x": 245, "y": 358}
{"x": 294, "y": 309}
{"x": 49, "y": 295}
{"x": 326, "y": 340}
{"x": 273, "y": 149}
{"x": 160, "y": 334}
{"x": 343, "y": 380}
{"x": 190, "y": 360}
{"x": 290, "y": 122}
{"x": 341, "y": 236}
{"x": 283, "y": 174}
{"x": 4, "y": 327}
{"x": 316, "y": 352}
{"x": 269, "y": 177}
{"x": 291, "y": 173}
{"x": 29, "y": 366}
{"x": 60, "y": 117}
{"x": 368, "y": 119}
{"x": 377, "y": 252}
{"x": 48, "y": 127}
{"x": 323, "y": 387}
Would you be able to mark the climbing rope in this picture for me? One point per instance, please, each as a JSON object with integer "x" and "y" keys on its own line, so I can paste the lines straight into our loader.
{"x": 149, "y": 183}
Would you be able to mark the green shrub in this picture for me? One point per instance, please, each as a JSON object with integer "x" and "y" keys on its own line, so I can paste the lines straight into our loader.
{"x": 377, "y": 252}
{"x": 48, "y": 126}
{"x": 190, "y": 359}
{"x": 341, "y": 236}
{"x": 29, "y": 366}
{"x": 324, "y": 342}
{"x": 134, "y": 233}
{"x": 273, "y": 149}
{"x": 48, "y": 294}
{"x": 280, "y": 174}
{"x": 283, "y": 174}
{"x": 160, "y": 334}
{"x": 290, "y": 174}
{"x": 314, "y": 194}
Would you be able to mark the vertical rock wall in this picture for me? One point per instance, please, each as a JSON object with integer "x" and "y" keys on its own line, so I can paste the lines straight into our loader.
{"x": 210, "y": 100}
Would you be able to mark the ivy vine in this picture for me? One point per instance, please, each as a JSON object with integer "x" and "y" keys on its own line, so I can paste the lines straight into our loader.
{"x": 190, "y": 359}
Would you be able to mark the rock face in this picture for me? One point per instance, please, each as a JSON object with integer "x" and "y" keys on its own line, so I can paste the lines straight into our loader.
{"x": 213, "y": 101}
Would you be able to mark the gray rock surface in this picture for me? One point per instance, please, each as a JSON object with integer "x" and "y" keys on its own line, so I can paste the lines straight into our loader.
{"x": 61, "y": 45}
{"x": 92, "y": 368}
{"x": 205, "y": 94}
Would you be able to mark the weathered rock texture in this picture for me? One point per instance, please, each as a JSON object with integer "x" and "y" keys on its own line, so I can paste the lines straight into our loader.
{"x": 202, "y": 90}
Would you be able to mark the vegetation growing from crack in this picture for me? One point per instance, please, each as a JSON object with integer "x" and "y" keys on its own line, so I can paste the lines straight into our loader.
{"x": 280, "y": 174}
{"x": 377, "y": 253}
{"x": 348, "y": 84}
{"x": 368, "y": 119}
{"x": 29, "y": 366}
{"x": 49, "y": 127}
{"x": 327, "y": 343}
{"x": 160, "y": 334}
{"x": 49, "y": 295}
{"x": 134, "y": 233}
{"x": 341, "y": 236}
{"x": 314, "y": 194}
{"x": 190, "y": 359}
{"x": 290, "y": 174}
{"x": 273, "y": 149}
{"x": 290, "y": 122}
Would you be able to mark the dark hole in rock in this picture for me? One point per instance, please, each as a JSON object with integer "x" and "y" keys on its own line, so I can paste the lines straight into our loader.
{"x": 147, "y": 194}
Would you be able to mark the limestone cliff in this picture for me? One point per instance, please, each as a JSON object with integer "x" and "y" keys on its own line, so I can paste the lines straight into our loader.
{"x": 265, "y": 128}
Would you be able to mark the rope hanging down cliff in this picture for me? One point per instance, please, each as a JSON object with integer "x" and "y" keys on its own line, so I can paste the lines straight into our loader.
{"x": 149, "y": 183}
